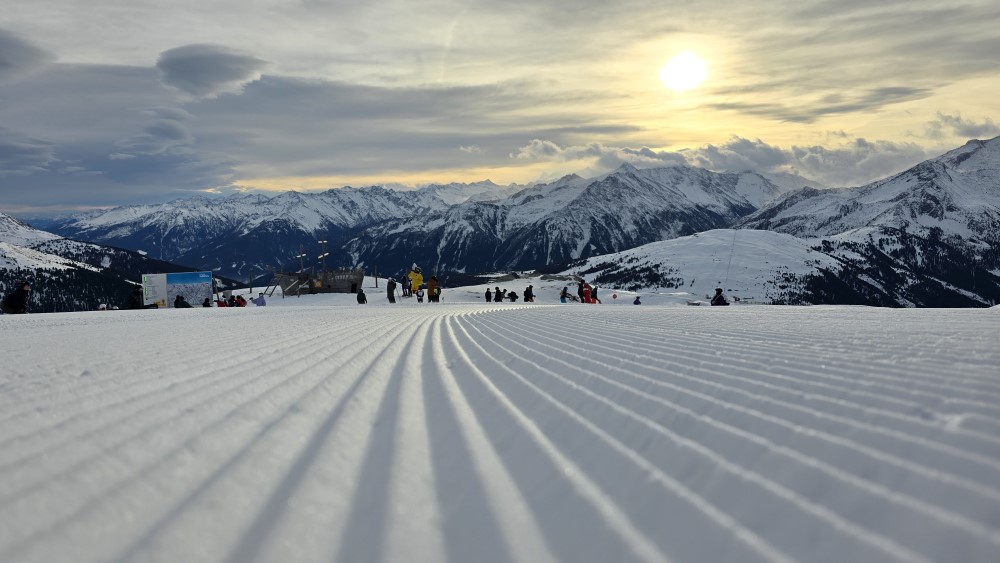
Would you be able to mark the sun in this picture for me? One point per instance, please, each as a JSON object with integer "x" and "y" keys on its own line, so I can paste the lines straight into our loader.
{"x": 684, "y": 72}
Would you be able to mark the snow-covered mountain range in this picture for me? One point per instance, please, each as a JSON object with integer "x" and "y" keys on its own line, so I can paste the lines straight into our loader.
{"x": 927, "y": 236}
{"x": 458, "y": 227}
{"x": 243, "y": 234}
{"x": 565, "y": 220}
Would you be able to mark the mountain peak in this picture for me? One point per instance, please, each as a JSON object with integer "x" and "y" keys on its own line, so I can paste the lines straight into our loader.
{"x": 626, "y": 167}
{"x": 973, "y": 155}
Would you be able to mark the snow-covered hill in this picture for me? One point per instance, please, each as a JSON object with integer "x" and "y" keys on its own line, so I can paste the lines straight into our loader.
{"x": 862, "y": 267}
{"x": 18, "y": 233}
{"x": 320, "y": 430}
{"x": 752, "y": 266}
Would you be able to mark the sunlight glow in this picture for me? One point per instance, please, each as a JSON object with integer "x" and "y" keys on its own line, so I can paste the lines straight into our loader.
{"x": 684, "y": 72}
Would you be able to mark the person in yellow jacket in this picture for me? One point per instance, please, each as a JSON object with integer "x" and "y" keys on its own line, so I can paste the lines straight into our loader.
{"x": 416, "y": 279}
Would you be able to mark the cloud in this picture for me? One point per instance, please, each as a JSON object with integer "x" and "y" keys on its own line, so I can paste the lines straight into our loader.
{"x": 205, "y": 71}
{"x": 854, "y": 162}
{"x": 955, "y": 126}
{"x": 157, "y": 138}
{"x": 19, "y": 57}
{"x": 22, "y": 155}
{"x": 836, "y": 103}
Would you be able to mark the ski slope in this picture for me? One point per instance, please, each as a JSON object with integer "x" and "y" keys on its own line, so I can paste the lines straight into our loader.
{"x": 315, "y": 429}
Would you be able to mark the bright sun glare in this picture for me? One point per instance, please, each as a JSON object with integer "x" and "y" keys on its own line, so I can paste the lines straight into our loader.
{"x": 684, "y": 72}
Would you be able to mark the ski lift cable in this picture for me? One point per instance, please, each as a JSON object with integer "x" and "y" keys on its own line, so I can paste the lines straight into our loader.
{"x": 732, "y": 250}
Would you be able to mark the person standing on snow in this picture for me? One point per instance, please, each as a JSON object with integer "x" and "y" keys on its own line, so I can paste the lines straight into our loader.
{"x": 529, "y": 294}
{"x": 719, "y": 299}
{"x": 180, "y": 303}
{"x": 17, "y": 301}
{"x": 390, "y": 290}
{"x": 432, "y": 289}
{"x": 637, "y": 302}
{"x": 489, "y": 295}
{"x": 362, "y": 298}
{"x": 416, "y": 279}
{"x": 564, "y": 294}
{"x": 586, "y": 293}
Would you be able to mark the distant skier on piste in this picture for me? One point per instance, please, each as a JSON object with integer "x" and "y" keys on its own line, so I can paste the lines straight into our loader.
{"x": 362, "y": 298}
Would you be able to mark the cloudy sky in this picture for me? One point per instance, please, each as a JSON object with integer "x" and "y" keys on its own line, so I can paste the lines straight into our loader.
{"x": 128, "y": 101}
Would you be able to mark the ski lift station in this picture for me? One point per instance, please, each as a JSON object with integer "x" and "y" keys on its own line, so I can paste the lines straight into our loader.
{"x": 326, "y": 281}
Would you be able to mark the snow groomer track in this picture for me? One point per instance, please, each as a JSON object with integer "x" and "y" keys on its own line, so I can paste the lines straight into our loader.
{"x": 465, "y": 433}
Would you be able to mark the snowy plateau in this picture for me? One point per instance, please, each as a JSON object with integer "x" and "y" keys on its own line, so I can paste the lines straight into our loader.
{"x": 317, "y": 429}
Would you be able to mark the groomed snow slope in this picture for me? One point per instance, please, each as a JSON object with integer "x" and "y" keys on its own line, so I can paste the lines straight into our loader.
{"x": 461, "y": 432}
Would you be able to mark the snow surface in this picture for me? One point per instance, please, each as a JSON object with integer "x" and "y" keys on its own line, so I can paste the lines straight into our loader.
{"x": 315, "y": 429}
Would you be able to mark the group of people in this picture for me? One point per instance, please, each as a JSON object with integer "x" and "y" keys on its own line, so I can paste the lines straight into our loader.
{"x": 585, "y": 293}
{"x": 136, "y": 301}
{"x": 498, "y": 295}
{"x": 18, "y": 301}
{"x": 412, "y": 286}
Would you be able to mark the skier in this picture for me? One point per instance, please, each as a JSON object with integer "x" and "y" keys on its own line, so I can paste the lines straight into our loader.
{"x": 564, "y": 294}
{"x": 416, "y": 279}
{"x": 529, "y": 294}
{"x": 362, "y": 298}
{"x": 390, "y": 290}
{"x": 586, "y": 293}
{"x": 16, "y": 302}
{"x": 206, "y": 303}
{"x": 432, "y": 290}
{"x": 637, "y": 302}
{"x": 719, "y": 299}
{"x": 420, "y": 294}
{"x": 579, "y": 291}
{"x": 512, "y": 295}
{"x": 593, "y": 295}
{"x": 180, "y": 303}
{"x": 489, "y": 295}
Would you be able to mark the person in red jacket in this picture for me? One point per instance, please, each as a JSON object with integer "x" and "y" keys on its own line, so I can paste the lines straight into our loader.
{"x": 586, "y": 293}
